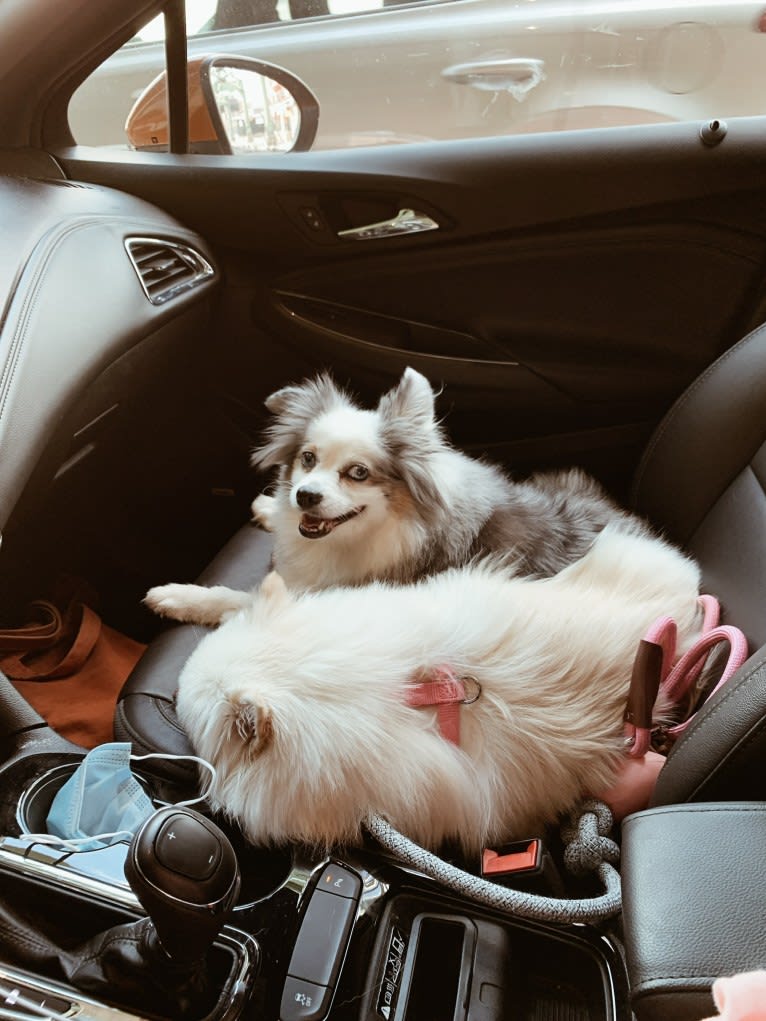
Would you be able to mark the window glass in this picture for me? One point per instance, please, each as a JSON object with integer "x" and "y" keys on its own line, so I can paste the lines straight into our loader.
{"x": 388, "y": 71}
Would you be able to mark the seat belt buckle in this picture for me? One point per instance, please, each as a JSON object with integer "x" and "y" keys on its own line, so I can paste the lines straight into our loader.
{"x": 523, "y": 865}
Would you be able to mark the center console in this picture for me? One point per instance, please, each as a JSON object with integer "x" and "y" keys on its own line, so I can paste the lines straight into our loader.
{"x": 348, "y": 935}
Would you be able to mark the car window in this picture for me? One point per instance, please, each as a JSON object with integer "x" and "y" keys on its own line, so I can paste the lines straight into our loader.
{"x": 204, "y": 16}
{"x": 392, "y": 72}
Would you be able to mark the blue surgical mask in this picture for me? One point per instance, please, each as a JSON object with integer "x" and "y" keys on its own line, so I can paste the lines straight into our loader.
{"x": 102, "y": 802}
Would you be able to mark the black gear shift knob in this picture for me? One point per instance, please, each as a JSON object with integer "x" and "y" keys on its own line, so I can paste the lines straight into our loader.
{"x": 184, "y": 871}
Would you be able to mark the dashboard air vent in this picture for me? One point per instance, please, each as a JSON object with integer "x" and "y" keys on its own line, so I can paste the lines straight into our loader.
{"x": 167, "y": 268}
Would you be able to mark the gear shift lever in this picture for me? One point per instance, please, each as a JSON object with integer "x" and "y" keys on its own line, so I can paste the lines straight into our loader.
{"x": 184, "y": 872}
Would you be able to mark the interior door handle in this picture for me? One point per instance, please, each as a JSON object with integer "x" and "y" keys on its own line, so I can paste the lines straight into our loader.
{"x": 406, "y": 221}
{"x": 516, "y": 75}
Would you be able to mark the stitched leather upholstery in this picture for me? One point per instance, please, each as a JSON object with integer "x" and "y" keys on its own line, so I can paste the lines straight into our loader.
{"x": 703, "y": 475}
{"x": 693, "y": 903}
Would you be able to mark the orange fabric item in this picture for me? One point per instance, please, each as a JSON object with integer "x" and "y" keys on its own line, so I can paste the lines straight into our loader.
{"x": 74, "y": 682}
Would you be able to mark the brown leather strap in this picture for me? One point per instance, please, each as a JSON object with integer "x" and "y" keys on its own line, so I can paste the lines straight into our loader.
{"x": 42, "y": 632}
{"x": 644, "y": 684}
{"x": 67, "y": 661}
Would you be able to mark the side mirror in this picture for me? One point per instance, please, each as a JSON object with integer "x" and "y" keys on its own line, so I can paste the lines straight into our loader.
{"x": 236, "y": 105}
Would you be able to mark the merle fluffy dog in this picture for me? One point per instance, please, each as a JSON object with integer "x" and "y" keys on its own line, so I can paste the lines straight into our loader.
{"x": 381, "y": 494}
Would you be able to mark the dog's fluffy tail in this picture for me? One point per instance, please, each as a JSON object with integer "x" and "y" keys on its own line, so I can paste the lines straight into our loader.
{"x": 638, "y": 564}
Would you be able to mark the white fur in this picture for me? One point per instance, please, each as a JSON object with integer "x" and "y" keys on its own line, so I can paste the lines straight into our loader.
{"x": 299, "y": 700}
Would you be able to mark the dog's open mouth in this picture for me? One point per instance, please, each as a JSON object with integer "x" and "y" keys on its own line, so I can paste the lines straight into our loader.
{"x": 312, "y": 527}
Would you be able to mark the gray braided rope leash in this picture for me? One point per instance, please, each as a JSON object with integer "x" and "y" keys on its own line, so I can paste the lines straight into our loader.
{"x": 588, "y": 850}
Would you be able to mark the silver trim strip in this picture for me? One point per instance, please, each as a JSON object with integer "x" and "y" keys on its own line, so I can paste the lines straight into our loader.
{"x": 16, "y": 860}
{"x": 81, "y": 1005}
{"x": 197, "y": 263}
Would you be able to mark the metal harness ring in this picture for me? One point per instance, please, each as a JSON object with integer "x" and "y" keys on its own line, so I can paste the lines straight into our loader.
{"x": 474, "y": 697}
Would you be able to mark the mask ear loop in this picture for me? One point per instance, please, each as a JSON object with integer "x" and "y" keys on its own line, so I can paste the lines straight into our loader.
{"x": 186, "y": 758}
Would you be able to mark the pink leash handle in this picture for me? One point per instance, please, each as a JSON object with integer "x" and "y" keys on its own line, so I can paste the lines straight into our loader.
{"x": 688, "y": 668}
{"x": 664, "y": 633}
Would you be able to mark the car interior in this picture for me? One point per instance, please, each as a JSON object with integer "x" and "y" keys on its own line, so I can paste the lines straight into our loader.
{"x": 592, "y": 298}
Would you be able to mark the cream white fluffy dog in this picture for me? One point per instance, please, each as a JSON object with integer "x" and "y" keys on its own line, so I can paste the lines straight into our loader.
{"x": 301, "y": 700}
{"x": 380, "y": 494}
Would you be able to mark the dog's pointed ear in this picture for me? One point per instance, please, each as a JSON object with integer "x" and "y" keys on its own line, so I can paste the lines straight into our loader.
{"x": 294, "y": 407}
{"x": 248, "y": 725}
{"x": 274, "y": 590}
{"x": 278, "y": 402}
{"x": 410, "y": 432}
{"x": 411, "y": 398}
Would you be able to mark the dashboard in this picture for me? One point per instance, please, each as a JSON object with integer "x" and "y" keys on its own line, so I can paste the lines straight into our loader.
{"x": 105, "y": 304}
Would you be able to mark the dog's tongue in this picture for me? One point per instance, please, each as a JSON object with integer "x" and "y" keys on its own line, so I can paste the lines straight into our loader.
{"x": 314, "y": 528}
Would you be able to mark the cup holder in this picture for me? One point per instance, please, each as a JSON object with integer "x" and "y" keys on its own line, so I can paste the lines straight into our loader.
{"x": 264, "y": 870}
{"x": 36, "y": 799}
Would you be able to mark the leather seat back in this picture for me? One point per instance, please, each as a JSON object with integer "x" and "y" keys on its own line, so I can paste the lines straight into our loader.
{"x": 702, "y": 481}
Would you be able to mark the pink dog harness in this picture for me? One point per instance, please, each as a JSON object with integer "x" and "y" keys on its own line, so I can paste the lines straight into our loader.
{"x": 654, "y": 669}
{"x": 445, "y": 690}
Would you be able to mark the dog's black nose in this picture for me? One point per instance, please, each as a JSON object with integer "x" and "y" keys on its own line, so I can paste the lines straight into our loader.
{"x": 308, "y": 498}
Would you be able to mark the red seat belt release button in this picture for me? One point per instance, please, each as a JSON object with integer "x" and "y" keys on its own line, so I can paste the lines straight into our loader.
{"x": 524, "y": 860}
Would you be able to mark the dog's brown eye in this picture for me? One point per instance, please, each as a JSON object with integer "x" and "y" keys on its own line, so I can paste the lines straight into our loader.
{"x": 358, "y": 472}
{"x": 308, "y": 459}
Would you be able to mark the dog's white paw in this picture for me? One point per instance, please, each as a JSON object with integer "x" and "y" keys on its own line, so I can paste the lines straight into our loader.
{"x": 262, "y": 510}
{"x": 175, "y": 601}
{"x": 197, "y": 604}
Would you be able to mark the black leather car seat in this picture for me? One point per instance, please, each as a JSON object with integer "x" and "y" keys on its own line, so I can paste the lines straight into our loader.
{"x": 702, "y": 481}
{"x": 145, "y": 713}
{"x": 693, "y": 892}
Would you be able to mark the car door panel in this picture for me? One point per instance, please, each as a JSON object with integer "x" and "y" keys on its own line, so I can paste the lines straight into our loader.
{"x": 582, "y": 312}
{"x": 576, "y": 284}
